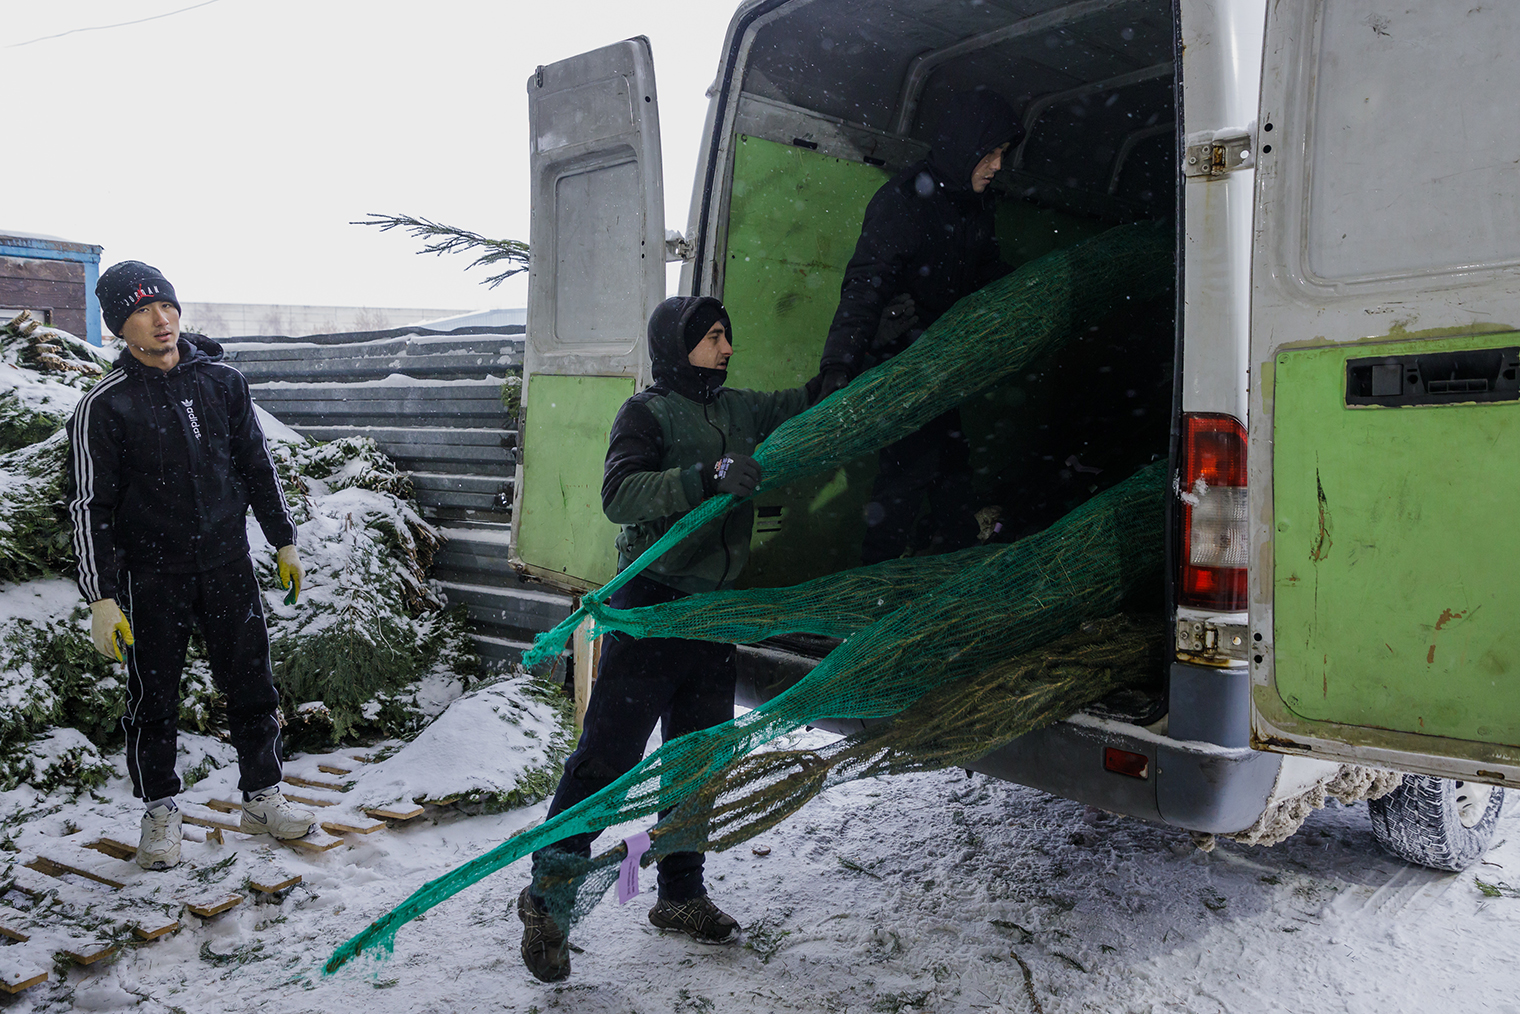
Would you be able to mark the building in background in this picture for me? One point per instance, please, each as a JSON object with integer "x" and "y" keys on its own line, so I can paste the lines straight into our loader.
{"x": 240, "y": 320}
{"x": 53, "y": 279}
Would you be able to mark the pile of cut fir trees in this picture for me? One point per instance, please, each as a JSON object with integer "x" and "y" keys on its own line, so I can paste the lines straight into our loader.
{"x": 370, "y": 654}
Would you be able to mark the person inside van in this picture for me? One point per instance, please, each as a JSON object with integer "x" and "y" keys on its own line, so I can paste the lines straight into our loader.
{"x": 672, "y": 446}
{"x": 927, "y": 240}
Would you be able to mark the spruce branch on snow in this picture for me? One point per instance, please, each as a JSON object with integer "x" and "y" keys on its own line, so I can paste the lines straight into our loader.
{"x": 449, "y": 239}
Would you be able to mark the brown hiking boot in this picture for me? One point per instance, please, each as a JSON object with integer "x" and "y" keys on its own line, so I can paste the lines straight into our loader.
{"x": 545, "y": 950}
{"x": 698, "y": 918}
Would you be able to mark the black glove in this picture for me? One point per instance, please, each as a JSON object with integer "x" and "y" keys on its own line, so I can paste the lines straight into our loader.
{"x": 737, "y": 474}
{"x": 897, "y": 319}
{"x": 832, "y": 381}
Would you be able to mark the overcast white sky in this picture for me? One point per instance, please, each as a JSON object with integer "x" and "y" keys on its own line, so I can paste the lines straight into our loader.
{"x": 231, "y": 144}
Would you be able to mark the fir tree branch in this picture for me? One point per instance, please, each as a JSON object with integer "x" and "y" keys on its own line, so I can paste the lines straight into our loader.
{"x": 448, "y": 239}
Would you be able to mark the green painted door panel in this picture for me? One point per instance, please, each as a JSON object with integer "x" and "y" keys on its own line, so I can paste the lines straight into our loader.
{"x": 794, "y": 216}
{"x": 560, "y": 528}
{"x": 1394, "y": 576}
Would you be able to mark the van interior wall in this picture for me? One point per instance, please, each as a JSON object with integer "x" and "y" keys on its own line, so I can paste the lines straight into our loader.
{"x": 1041, "y": 444}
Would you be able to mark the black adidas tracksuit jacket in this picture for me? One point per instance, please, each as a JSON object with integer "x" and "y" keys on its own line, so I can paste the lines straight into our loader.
{"x": 163, "y": 468}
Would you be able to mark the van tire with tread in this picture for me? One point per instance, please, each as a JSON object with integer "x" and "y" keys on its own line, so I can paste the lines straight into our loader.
{"x": 1423, "y": 822}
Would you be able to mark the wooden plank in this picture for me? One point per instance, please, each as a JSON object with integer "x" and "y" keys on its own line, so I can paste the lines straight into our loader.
{"x": 317, "y": 841}
{"x": 151, "y": 926}
{"x": 31, "y": 883}
{"x": 58, "y": 867}
{"x": 333, "y": 769}
{"x": 13, "y": 928}
{"x": 209, "y": 818}
{"x": 114, "y": 847}
{"x": 16, "y": 976}
{"x": 312, "y": 783}
{"x": 352, "y": 826}
{"x": 225, "y": 805}
{"x": 273, "y": 881}
{"x": 398, "y": 812}
{"x": 87, "y": 951}
{"x": 208, "y": 905}
{"x": 310, "y": 800}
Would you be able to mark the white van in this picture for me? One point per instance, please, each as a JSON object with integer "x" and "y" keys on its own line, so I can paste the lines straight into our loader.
{"x": 1333, "y": 377}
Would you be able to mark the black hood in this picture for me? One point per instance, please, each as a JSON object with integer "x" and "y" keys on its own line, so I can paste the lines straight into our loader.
{"x": 193, "y": 348}
{"x": 668, "y": 354}
{"x": 974, "y": 124}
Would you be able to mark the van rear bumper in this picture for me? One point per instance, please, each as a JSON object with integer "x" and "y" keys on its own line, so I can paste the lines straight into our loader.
{"x": 1188, "y": 784}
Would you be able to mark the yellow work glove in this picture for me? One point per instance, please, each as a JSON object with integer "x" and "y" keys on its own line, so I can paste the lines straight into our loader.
{"x": 106, "y": 622}
{"x": 291, "y": 573}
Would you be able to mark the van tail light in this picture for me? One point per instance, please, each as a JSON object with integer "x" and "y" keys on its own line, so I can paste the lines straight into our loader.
{"x": 1215, "y": 535}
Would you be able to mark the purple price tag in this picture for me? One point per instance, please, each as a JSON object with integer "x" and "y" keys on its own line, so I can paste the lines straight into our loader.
{"x": 628, "y": 875}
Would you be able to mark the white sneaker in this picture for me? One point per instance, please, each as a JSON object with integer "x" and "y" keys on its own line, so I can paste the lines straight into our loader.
{"x": 269, "y": 812}
{"x": 158, "y": 848}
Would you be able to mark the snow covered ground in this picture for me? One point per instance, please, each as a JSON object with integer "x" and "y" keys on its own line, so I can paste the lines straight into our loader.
{"x": 919, "y": 893}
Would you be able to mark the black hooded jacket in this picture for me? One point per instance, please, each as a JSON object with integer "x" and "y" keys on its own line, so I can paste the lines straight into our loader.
{"x": 926, "y": 232}
{"x": 663, "y": 441}
{"x": 163, "y": 468}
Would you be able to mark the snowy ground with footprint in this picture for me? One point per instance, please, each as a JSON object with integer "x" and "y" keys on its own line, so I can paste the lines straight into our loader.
{"x": 926, "y": 892}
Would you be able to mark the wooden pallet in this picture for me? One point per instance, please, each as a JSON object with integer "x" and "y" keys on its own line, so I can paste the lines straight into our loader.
{"x": 220, "y": 821}
{"x": 379, "y": 816}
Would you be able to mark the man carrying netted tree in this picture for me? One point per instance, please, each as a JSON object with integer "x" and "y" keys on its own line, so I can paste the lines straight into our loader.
{"x": 672, "y": 446}
{"x": 927, "y": 240}
{"x": 166, "y": 457}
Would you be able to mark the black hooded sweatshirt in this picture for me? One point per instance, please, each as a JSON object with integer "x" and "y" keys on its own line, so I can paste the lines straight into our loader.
{"x": 926, "y": 232}
{"x": 163, "y": 468}
{"x": 667, "y": 437}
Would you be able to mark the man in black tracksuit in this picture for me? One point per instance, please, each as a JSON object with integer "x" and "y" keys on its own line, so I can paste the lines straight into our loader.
{"x": 166, "y": 457}
{"x": 927, "y": 240}
{"x": 672, "y": 446}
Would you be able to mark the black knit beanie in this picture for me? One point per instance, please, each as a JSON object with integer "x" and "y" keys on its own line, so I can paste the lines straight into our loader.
{"x": 125, "y": 286}
{"x": 704, "y": 315}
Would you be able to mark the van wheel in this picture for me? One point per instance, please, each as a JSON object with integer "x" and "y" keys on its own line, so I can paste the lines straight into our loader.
{"x": 1437, "y": 822}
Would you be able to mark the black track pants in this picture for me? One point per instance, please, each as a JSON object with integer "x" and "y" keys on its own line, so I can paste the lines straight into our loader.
{"x": 684, "y": 685}
{"x": 226, "y": 604}
{"x": 932, "y": 462}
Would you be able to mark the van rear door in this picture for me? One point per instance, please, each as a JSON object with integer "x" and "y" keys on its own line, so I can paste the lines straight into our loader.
{"x": 596, "y": 272}
{"x": 1385, "y": 415}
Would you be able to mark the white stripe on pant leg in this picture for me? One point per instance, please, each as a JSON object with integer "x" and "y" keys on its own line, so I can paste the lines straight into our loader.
{"x": 132, "y": 711}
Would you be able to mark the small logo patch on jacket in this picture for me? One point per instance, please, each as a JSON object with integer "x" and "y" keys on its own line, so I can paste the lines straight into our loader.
{"x": 195, "y": 425}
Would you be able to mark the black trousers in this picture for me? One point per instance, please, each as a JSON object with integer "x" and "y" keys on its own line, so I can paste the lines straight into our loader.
{"x": 933, "y": 462}
{"x": 684, "y": 685}
{"x": 226, "y": 604}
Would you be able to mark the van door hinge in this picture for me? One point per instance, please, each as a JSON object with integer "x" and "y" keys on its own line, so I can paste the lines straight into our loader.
{"x": 1219, "y": 153}
{"x": 678, "y": 247}
{"x": 1210, "y": 642}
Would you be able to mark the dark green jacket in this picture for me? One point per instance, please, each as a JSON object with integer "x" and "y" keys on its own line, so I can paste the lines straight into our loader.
{"x": 662, "y": 442}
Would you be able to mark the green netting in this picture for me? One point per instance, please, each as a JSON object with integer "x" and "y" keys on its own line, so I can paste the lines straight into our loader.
{"x": 1006, "y": 602}
{"x": 836, "y": 605}
{"x": 952, "y": 726}
{"x": 985, "y": 337}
